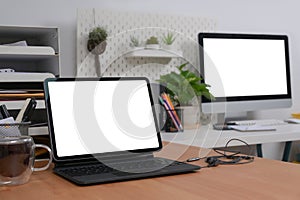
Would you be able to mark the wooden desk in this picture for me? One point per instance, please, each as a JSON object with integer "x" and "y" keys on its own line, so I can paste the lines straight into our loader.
{"x": 262, "y": 179}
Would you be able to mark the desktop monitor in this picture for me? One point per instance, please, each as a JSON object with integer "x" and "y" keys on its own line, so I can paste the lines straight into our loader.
{"x": 247, "y": 72}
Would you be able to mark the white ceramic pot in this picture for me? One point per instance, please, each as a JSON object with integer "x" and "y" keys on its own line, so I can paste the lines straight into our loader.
{"x": 137, "y": 48}
{"x": 169, "y": 47}
{"x": 152, "y": 46}
{"x": 99, "y": 49}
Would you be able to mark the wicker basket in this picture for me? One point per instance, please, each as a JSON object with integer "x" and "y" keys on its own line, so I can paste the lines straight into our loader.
{"x": 14, "y": 129}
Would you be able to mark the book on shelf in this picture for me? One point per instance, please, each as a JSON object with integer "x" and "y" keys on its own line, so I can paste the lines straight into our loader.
{"x": 24, "y": 76}
{"x": 22, "y": 85}
{"x": 4, "y": 95}
{"x": 14, "y": 94}
{"x": 22, "y": 48}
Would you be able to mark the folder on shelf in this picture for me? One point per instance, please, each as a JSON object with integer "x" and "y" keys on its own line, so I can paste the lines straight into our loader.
{"x": 26, "y": 50}
{"x": 24, "y": 76}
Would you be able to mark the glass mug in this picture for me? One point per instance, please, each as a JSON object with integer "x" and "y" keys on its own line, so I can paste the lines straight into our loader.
{"x": 17, "y": 156}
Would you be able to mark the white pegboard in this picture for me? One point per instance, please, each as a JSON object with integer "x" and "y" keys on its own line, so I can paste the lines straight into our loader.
{"x": 122, "y": 25}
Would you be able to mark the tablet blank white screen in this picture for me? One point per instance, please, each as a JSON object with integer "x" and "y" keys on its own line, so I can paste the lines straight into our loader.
{"x": 101, "y": 116}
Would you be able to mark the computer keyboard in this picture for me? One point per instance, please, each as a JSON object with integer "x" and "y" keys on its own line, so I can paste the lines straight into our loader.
{"x": 120, "y": 168}
{"x": 264, "y": 122}
{"x": 125, "y": 170}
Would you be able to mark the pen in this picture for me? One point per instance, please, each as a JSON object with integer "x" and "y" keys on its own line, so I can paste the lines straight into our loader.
{"x": 168, "y": 102}
{"x": 176, "y": 120}
{"x": 29, "y": 110}
{"x": 4, "y": 112}
{"x": 170, "y": 113}
{"x": 193, "y": 159}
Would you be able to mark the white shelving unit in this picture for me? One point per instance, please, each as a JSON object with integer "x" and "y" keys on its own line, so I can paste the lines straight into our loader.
{"x": 41, "y": 54}
{"x": 32, "y": 63}
{"x": 37, "y": 60}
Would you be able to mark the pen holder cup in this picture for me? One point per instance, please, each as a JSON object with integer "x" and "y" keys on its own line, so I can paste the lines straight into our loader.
{"x": 14, "y": 129}
{"x": 168, "y": 122}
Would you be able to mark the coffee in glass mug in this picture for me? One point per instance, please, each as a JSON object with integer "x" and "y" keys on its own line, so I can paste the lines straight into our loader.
{"x": 17, "y": 156}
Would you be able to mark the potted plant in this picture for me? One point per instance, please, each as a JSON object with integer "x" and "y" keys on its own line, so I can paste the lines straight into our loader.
{"x": 168, "y": 40}
{"x": 135, "y": 43}
{"x": 97, "y": 40}
{"x": 184, "y": 88}
{"x": 152, "y": 43}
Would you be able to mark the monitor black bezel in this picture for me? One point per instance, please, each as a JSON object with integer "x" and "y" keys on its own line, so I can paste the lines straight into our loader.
{"x": 203, "y": 35}
{"x": 97, "y": 156}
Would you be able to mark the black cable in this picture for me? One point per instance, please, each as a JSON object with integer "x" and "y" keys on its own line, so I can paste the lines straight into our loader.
{"x": 234, "y": 157}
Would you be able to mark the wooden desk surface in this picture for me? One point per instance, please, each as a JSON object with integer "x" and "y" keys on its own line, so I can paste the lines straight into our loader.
{"x": 262, "y": 179}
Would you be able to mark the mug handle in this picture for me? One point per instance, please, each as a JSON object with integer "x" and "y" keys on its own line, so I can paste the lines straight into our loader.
{"x": 50, "y": 157}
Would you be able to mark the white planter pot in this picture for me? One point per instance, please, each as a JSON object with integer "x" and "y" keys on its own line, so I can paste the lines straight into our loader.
{"x": 99, "y": 49}
{"x": 169, "y": 47}
{"x": 137, "y": 48}
{"x": 152, "y": 46}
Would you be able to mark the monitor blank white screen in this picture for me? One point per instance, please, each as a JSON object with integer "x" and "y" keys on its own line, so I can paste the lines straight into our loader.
{"x": 245, "y": 67}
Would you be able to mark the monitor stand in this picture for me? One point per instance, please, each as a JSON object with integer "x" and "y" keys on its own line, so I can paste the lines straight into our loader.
{"x": 233, "y": 116}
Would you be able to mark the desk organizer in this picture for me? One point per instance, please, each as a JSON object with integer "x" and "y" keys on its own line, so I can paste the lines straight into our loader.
{"x": 14, "y": 129}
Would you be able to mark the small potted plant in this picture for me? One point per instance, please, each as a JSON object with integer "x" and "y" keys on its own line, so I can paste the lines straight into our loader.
{"x": 97, "y": 40}
{"x": 135, "y": 43}
{"x": 185, "y": 87}
{"x": 168, "y": 40}
{"x": 152, "y": 43}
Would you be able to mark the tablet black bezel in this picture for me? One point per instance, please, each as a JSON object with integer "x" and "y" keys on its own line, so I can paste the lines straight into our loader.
{"x": 58, "y": 159}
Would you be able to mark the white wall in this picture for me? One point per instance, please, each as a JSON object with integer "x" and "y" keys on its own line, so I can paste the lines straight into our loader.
{"x": 267, "y": 16}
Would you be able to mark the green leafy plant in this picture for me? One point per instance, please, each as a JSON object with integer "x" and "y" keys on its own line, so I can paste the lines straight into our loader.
{"x": 152, "y": 40}
{"x": 184, "y": 86}
{"x": 96, "y": 37}
{"x": 134, "y": 42}
{"x": 169, "y": 38}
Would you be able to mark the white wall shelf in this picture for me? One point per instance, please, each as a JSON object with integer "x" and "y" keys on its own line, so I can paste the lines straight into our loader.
{"x": 153, "y": 53}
